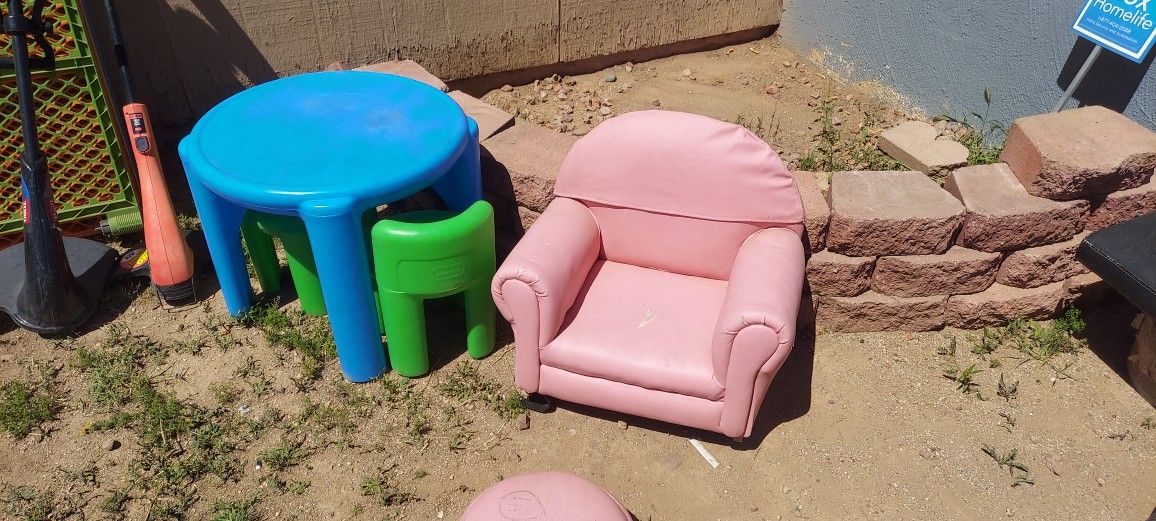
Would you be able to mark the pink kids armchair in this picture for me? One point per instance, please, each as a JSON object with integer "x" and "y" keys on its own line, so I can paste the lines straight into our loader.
{"x": 664, "y": 279}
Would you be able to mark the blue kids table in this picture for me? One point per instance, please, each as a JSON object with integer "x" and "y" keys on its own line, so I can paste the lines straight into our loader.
{"x": 326, "y": 147}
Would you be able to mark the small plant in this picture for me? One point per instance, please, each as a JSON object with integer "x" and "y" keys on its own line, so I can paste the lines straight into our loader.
{"x": 964, "y": 378}
{"x": 308, "y": 336}
{"x": 467, "y": 385}
{"x": 240, "y": 510}
{"x": 1007, "y": 391}
{"x": 1008, "y": 422}
{"x": 981, "y": 136}
{"x": 1043, "y": 341}
{"x": 1013, "y": 465}
{"x": 225, "y": 393}
{"x": 1061, "y": 373}
{"x": 1149, "y": 423}
{"x": 835, "y": 150}
{"x": 987, "y": 342}
{"x": 27, "y": 406}
{"x": 297, "y": 487}
{"x": 949, "y": 349}
{"x": 284, "y": 455}
{"x": 382, "y": 487}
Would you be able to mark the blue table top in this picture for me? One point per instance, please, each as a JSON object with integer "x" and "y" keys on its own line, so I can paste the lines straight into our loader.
{"x": 361, "y": 136}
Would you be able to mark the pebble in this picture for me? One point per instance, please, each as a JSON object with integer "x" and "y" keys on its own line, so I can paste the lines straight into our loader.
{"x": 670, "y": 462}
{"x": 786, "y": 490}
{"x": 571, "y": 82}
{"x": 1053, "y": 465}
{"x": 831, "y": 401}
{"x": 111, "y": 445}
{"x": 610, "y": 78}
{"x": 812, "y": 103}
{"x": 567, "y": 109}
{"x": 629, "y": 67}
{"x": 837, "y": 121}
{"x": 772, "y": 90}
{"x": 5, "y": 358}
{"x": 656, "y": 102}
{"x": 1101, "y": 481}
{"x": 580, "y": 131}
{"x": 622, "y": 425}
{"x": 507, "y": 87}
{"x": 524, "y": 422}
{"x": 605, "y": 111}
{"x": 787, "y": 64}
{"x": 561, "y": 97}
{"x": 686, "y": 72}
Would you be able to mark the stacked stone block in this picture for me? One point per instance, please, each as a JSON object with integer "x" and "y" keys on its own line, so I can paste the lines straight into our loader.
{"x": 995, "y": 243}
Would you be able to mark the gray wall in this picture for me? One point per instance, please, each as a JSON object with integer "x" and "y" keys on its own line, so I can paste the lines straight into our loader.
{"x": 941, "y": 54}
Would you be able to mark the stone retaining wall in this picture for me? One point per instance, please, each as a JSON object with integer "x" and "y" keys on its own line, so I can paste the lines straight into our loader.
{"x": 895, "y": 250}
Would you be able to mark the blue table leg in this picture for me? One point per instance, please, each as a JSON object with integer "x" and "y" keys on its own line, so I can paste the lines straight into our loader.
{"x": 461, "y": 186}
{"x": 337, "y": 237}
{"x": 221, "y": 222}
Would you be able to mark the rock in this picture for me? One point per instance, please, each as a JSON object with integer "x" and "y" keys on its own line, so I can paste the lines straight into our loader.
{"x": 872, "y": 311}
{"x": 524, "y": 421}
{"x": 1086, "y": 290}
{"x": 958, "y": 271}
{"x": 686, "y": 72}
{"x": 1002, "y": 215}
{"x": 1053, "y": 465}
{"x": 914, "y": 144}
{"x": 490, "y": 119}
{"x": 610, "y": 78}
{"x": 605, "y": 111}
{"x": 815, "y": 209}
{"x": 1000, "y": 304}
{"x": 526, "y": 156}
{"x": 1121, "y": 206}
{"x": 622, "y": 425}
{"x": 838, "y": 275}
{"x": 409, "y": 69}
{"x": 507, "y": 87}
{"x": 1079, "y": 153}
{"x": 772, "y": 90}
{"x": 629, "y": 67}
{"x": 527, "y": 216}
{"x": 1035, "y": 267}
{"x": 890, "y": 213}
{"x": 111, "y": 445}
{"x": 669, "y": 461}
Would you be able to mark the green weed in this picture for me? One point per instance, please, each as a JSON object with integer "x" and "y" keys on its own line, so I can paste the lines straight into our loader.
{"x": 1148, "y": 423}
{"x": 836, "y": 150}
{"x": 982, "y": 137}
{"x": 466, "y": 385}
{"x": 27, "y": 406}
{"x": 283, "y": 455}
{"x": 307, "y": 336}
{"x": 1007, "y": 391}
{"x": 1013, "y": 465}
{"x": 964, "y": 378}
{"x": 382, "y": 487}
{"x": 240, "y": 510}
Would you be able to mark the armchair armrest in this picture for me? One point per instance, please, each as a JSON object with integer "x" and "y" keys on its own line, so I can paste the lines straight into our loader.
{"x": 765, "y": 288}
{"x": 756, "y": 325}
{"x": 552, "y": 261}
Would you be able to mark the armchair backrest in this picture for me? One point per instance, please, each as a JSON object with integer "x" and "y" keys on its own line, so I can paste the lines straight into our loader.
{"x": 679, "y": 192}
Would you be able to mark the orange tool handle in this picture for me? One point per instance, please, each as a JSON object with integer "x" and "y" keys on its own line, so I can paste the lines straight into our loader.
{"x": 170, "y": 260}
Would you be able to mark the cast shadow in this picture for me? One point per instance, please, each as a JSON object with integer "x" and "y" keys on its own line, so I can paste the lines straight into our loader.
{"x": 1111, "y": 82}
{"x": 498, "y": 189}
{"x": 1109, "y": 332}
{"x": 788, "y": 398}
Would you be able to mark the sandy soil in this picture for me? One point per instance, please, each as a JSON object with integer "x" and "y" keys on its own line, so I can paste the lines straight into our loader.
{"x": 856, "y": 426}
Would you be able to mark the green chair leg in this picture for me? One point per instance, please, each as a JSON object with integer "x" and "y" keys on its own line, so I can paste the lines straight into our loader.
{"x": 405, "y": 333}
{"x": 479, "y": 304}
{"x": 262, "y": 254}
{"x": 303, "y": 269}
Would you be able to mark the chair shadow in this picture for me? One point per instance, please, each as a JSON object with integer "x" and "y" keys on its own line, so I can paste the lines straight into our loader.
{"x": 498, "y": 189}
{"x": 788, "y": 398}
{"x": 1109, "y": 332}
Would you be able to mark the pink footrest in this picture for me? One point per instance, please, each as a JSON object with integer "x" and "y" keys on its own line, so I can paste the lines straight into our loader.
{"x": 545, "y": 496}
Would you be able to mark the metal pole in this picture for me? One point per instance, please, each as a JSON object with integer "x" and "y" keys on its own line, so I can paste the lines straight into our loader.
{"x": 1079, "y": 78}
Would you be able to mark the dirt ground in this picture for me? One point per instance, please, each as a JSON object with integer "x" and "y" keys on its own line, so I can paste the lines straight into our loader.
{"x": 856, "y": 426}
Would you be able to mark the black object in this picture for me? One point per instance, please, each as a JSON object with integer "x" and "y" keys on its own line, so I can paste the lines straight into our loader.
{"x": 1124, "y": 255}
{"x": 538, "y": 403}
{"x": 50, "y": 285}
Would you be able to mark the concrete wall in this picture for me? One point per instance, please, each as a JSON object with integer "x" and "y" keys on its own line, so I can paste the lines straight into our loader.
{"x": 190, "y": 54}
{"x": 941, "y": 55}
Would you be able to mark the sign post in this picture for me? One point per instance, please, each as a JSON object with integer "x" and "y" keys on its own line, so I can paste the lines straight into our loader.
{"x": 1125, "y": 27}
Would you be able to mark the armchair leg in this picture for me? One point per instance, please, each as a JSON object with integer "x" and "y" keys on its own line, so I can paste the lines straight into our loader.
{"x": 538, "y": 403}
{"x": 738, "y": 439}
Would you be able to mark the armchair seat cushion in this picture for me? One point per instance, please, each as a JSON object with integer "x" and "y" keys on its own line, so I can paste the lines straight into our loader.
{"x": 642, "y": 327}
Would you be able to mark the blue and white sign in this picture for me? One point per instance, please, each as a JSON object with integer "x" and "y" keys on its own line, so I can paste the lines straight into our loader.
{"x": 1126, "y": 27}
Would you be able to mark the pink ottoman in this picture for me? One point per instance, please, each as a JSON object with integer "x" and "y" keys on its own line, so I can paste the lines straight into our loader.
{"x": 546, "y": 496}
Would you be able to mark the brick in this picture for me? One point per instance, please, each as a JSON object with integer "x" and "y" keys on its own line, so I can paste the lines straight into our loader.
{"x": 839, "y": 275}
{"x": 958, "y": 271}
{"x": 1079, "y": 153}
{"x": 408, "y": 68}
{"x": 815, "y": 208}
{"x": 1002, "y": 215}
{"x": 525, "y": 158}
{"x": 872, "y": 311}
{"x": 999, "y": 304}
{"x": 1086, "y": 290}
{"x": 890, "y": 213}
{"x": 1035, "y": 267}
{"x": 490, "y": 119}
{"x": 914, "y": 144}
{"x": 1124, "y": 205}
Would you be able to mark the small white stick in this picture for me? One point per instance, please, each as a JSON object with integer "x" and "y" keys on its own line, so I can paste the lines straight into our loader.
{"x": 706, "y": 455}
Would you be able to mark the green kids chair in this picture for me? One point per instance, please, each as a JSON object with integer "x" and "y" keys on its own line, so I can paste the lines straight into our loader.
{"x": 429, "y": 254}
{"x": 258, "y": 230}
